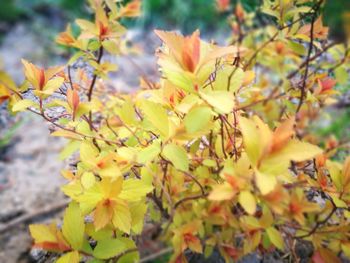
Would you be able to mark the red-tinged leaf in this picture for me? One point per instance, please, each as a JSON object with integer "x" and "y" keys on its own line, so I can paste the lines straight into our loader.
{"x": 222, "y": 5}
{"x": 132, "y": 9}
{"x": 323, "y": 255}
{"x": 173, "y": 41}
{"x": 326, "y": 84}
{"x": 191, "y": 51}
{"x": 103, "y": 213}
{"x": 52, "y": 246}
{"x": 73, "y": 100}
{"x": 282, "y": 134}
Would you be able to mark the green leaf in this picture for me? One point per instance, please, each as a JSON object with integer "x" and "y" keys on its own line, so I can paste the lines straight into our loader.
{"x": 108, "y": 248}
{"x": 341, "y": 75}
{"x": 138, "y": 211}
{"x": 156, "y": 115}
{"x": 69, "y": 149}
{"x": 197, "y": 119}
{"x": 131, "y": 256}
{"x": 177, "y": 156}
{"x": 275, "y": 237}
{"x": 224, "y": 76}
{"x": 149, "y": 153}
{"x": 297, "y": 47}
{"x": 73, "y": 226}
{"x": 222, "y": 101}
{"x": 22, "y": 105}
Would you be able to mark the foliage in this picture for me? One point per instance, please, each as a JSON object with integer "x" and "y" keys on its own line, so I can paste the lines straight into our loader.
{"x": 13, "y": 9}
{"x": 194, "y": 14}
{"x": 216, "y": 153}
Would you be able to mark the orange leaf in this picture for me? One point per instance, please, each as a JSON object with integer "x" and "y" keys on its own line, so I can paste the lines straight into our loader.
{"x": 191, "y": 51}
{"x": 73, "y": 100}
{"x": 222, "y": 5}
{"x": 132, "y": 9}
{"x": 103, "y": 213}
{"x": 282, "y": 134}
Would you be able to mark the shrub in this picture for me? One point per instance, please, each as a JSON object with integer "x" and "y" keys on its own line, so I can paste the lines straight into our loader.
{"x": 217, "y": 153}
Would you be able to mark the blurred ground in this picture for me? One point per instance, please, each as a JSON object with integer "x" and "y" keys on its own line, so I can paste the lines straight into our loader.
{"x": 31, "y": 181}
{"x": 29, "y": 170}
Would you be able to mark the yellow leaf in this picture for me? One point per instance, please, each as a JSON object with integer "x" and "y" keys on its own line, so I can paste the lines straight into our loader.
{"x": 222, "y": 101}
{"x": 222, "y": 192}
{"x": 103, "y": 214}
{"x": 122, "y": 217}
{"x": 127, "y": 113}
{"x": 249, "y": 76}
{"x": 22, "y": 105}
{"x": 88, "y": 152}
{"x": 296, "y": 151}
{"x": 88, "y": 179}
{"x": 266, "y": 183}
{"x": 71, "y": 257}
{"x": 66, "y": 134}
{"x": 247, "y": 201}
{"x": 42, "y": 233}
{"x": 89, "y": 199}
{"x": 251, "y": 140}
{"x": 135, "y": 189}
{"x": 52, "y": 85}
{"x": 7, "y": 81}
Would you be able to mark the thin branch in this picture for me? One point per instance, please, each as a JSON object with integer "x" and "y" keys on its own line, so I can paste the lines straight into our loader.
{"x": 319, "y": 223}
{"x": 156, "y": 255}
{"x": 196, "y": 181}
{"x": 303, "y": 87}
{"x": 189, "y": 198}
{"x": 94, "y": 78}
{"x": 33, "y": 215}
{"x": 130, "y": 250}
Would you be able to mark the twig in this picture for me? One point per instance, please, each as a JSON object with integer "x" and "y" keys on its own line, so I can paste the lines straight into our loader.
{"x": 303, "y": 87}
{"x": 33, "y": 215}
{"x": 189, "y": 198}
{"x": 91, "y": 88}
{"x": 130, "y": 250}
{"x": 156, "y": 255}
{"x": 319, "y": 223}
{"x": 318, "y": 54}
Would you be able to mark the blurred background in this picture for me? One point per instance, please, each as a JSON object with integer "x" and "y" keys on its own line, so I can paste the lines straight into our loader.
{"x": 29, "y": 158}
